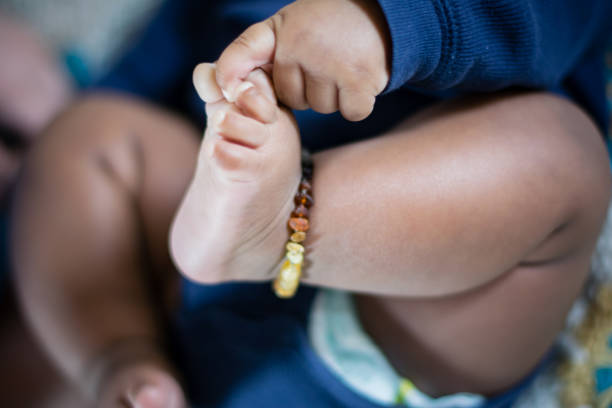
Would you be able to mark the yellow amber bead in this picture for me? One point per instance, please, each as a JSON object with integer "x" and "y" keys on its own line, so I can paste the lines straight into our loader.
{"x": 298, "y": 236}
{"x": 287, "y": 281}
{"x": 295, "y": 257}
{"x": 294, "y": 247}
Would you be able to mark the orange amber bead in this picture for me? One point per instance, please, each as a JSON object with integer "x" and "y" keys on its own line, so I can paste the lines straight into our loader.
{"x": 299, "y": 224}
{"x": 303, "y": 199}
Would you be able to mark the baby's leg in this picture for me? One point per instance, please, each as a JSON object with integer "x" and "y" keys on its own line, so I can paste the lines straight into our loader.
{"x": 90, "y": 244}
{"x": 513, "y": 187}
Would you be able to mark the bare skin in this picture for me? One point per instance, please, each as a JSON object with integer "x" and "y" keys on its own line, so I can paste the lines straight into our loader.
{"x": 113, "y": 196}
{"x": 324, "y": 55}
{"x": 500, "y": 302}
{"x": 104, "y": 332}
{"x": 467, "y": 229}
{"x": 247, "y": 173}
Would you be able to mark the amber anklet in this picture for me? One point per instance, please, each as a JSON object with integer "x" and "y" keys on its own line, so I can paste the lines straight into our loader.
{"x": 286, "y": 283}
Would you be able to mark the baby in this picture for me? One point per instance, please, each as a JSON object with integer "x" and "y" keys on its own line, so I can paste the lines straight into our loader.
{"x": 464, "y": 230}
{"x": 460, "y": 305}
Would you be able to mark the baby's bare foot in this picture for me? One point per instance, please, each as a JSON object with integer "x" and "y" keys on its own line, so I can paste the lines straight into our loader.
{"x": 133, "y": 373}
{"x": 142, "y": 385}
{"x": 232, "y": 222}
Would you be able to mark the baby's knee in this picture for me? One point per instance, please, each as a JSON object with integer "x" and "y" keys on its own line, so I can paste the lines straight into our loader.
{"x": 582, "y": 169}
{"x": 95, "y": 135}
{"x": 571, "y": 170}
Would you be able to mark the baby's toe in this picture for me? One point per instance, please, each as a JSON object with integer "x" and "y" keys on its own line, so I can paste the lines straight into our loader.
{"x": 205, "y": 83}
{"x": 239, "y": 129}
{"x": 239, "y": 163}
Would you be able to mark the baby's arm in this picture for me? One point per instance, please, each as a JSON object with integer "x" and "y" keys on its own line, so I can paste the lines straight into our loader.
{"x": 339, "y": 55}
{"x": 327, "y": 55}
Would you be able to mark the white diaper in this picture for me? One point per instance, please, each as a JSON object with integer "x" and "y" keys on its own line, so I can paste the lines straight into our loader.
{"x": 338, "y": 338}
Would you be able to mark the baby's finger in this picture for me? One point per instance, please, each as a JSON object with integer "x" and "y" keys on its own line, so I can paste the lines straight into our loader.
{"x": 205, "y": 83}
{"x": 289, "y": 85}
{"x": 262, "y": 80}
{"x": 355, "y": 105}
{"x": 322, "y": 96}
{"x": 258, "y": 102}
{"x": 252, "y": 49}
{"x": 257, "y": 106}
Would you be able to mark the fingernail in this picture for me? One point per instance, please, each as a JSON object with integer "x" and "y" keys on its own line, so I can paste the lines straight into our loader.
{"x": 227, "y": 95}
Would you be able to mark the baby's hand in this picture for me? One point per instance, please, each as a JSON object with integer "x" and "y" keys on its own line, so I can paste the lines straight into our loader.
{"x": 325, "y": 55}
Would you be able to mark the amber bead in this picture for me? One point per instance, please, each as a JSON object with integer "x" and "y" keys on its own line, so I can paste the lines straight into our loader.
{"x": 303, "y": 199}
{"x": 299, "y": 224}
{"x": 305, "y": 185}
{"x": 301, "y": 211}
{"x": 294, "y": 247}
{"x": 295, "y": 257}
{"x": 298, "y": 236}
{"x": 288, "y": 279}
{"x": 307, "y": 170}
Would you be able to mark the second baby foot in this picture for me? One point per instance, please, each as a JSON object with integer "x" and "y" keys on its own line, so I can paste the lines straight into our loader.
{"x": 231, "y": 224}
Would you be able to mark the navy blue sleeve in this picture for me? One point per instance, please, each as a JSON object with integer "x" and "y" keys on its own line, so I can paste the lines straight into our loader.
{"x": 491, "y": 44}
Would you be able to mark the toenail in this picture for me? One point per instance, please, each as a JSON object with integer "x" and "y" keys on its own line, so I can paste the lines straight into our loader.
{"x": 227, "y": 95}
{"x": 205, "y": 83}
{"x": 217, "y": 118}
{"x": 243, "y": 87}
{"x": 232, "y": 96}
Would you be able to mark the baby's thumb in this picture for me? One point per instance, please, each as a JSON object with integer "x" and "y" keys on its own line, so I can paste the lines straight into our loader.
{"x": 254, "y": 48}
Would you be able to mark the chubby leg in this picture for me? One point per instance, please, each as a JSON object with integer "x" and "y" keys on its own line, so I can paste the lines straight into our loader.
{"x": 477, "y": 216}
{"x": 518, "y": 186}
{"x": 92, "y": 220}
{"x": 90, "y": 244}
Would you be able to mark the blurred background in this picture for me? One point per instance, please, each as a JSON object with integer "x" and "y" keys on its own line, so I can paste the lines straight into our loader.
{"x": 49, "y": 51}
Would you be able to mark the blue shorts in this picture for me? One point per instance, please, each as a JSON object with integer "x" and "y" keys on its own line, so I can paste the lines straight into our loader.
{"x": 239, "y": 346}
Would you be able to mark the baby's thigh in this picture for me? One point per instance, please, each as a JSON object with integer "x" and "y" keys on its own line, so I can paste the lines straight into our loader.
{"x": 487, "y": 338}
